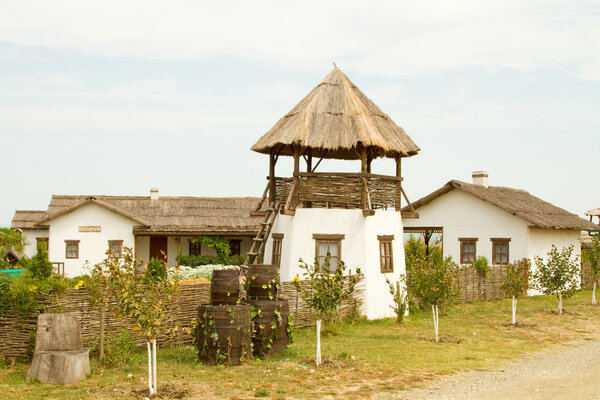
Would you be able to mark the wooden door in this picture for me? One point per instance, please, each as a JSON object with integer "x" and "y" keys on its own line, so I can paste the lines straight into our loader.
{"x": 158, "y": 246}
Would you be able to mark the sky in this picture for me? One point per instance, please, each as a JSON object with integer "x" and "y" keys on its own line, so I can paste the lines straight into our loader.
{"x": 116, "y": 97}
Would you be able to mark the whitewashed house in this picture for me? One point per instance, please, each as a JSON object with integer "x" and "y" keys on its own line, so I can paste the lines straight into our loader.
{"x": 499, "y": 223}
{"x": 80, "y": 229}
{"x": 355, "y": 217}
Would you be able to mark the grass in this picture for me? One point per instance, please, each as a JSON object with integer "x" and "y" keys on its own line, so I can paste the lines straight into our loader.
{"x": 361, "y": 357}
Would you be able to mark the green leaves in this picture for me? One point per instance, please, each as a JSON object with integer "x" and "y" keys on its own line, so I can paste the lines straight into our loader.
{"x": 325, "y": 288}
{"x": 559, "y": 274}
{"x": 432, "y": 279}
{"x": 516, "y": 280}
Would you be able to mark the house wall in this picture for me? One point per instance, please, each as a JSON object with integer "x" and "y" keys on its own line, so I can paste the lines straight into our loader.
{"x": 31, "y": 236}
{"x": 360, "y": 248}
{"x": 92, "y": 245}
{"x": 463, "y": 215}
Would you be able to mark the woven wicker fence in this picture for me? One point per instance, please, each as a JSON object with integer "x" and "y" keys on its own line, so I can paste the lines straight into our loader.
{"x": 17, "y": 335}
{"x": 471, "y": 287}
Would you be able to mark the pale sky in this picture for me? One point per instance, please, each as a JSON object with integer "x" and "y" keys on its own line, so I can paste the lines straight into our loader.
{"x": 115, "y": 97}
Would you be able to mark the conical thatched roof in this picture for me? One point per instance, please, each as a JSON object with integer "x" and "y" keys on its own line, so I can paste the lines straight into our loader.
{"x": 335, "y": 119}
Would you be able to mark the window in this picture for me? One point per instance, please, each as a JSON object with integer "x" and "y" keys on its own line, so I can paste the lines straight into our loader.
{"x": 235, "y": 245}
{"x": 468, "y": 250}
{"x": 72, "y": 248}
{"x": 386, "y": 257}
{"x": 500, "y": 251}
{"x": 195, "y": 247}
{"x": 328, "y": 245}
{"x": 115, "y": 247}
{"x": 41, "y": 243}
{"x": 276, "y": 256}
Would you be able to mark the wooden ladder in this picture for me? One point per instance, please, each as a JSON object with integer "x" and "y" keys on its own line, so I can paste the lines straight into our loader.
{"x": 259, "y": 241}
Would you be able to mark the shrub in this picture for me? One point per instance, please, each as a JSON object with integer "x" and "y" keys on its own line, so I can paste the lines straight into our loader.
{"x": 156, "y": 270}
{"x": 39, "y": 267}
{"x": 203, "y": 271}
{"x": 559, "y": 275}
{"x": 481, "y": 266}
{"x": 119, "y": 348}
{"x": 194, "y": 261}
{"x": 400, "y": 297}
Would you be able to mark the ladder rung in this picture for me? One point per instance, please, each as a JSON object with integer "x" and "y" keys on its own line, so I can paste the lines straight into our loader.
{"x": 264, "y": 223}
{"x": 258, "y": 239}
{"x": 252, "y": 254}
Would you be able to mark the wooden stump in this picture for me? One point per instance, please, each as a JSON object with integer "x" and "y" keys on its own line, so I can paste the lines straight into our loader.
{"x": 59, "y": 367}
{"x": 59, "y": 357}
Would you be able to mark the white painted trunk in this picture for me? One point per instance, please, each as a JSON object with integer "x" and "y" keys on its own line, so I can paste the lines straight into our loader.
{"x": 514, "y": 310}
{"x": 150, "y": 388}
{"x": 434, "y": 311}
{"x": 318, "y": 342}
{"x": 559, "y": 303}
{"x": 594, "y": 294}
{"x": 154, "y": 365}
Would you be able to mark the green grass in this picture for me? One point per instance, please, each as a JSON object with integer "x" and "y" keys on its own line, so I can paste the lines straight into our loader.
{"x": 360, "y": 357}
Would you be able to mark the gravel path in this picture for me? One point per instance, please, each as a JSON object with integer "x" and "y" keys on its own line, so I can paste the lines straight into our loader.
{"x": 566, "y": 374}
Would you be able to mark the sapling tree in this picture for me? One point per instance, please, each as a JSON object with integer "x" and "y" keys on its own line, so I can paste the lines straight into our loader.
{"x": 559, "y": 274}
{"x": 400, "y": 297}
{"x": 324, "y": 291}
{"x": 145, "y": 302}
{"x": 515, "y": 283}
{"x": 100, "y": 291}
{"x": 433, "y": 281}
{"x": 593, "y": 255}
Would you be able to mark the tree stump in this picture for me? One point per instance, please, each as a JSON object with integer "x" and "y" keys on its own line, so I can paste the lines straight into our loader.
{"x": 59, "y": 357}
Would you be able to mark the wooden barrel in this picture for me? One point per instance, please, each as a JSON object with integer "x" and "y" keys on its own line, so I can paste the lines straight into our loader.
{"x": 263, "y": 281}
{"x": 224, "y": 334}
{"x": 225, "y": 286}
{"x": 270, "y": 322}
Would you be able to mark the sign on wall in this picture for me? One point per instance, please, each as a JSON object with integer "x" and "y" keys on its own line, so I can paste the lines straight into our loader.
{"x": 90, "y": 229}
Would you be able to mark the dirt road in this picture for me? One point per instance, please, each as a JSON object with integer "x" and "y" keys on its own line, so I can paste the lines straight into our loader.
{"x": 573, "y": 373}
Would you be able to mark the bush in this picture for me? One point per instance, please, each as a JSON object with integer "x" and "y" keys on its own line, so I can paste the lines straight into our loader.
{"x": 203, "y": 271}
{"x": 157, "y": 269}
{"x": 119, "y": 348}
{"x": 481, "y": 266}
{"x": 194, "y": 261}
{"x": 39, "y": 267}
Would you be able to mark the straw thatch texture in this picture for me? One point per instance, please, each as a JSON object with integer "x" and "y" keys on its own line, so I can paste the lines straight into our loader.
{"x": 226, "y": 215}
{"x": 16, "y": 334}
{"x": 593, "y": 213}
{"x": 515, "y": 202}
{"x": 333, "y": 120}
{"x": 27, "y": 218}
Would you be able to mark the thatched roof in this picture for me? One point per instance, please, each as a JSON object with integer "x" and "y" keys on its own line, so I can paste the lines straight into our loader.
{"x": 171, "y": 215}
{"x": 516, "y": 202}
{"x": 334, "y": 120}
{"x": 26, "y": 219}
{"x": 593, "y": 213}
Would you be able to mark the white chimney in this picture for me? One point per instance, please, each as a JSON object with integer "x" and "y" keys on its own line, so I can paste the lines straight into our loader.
{"x": 153, "y": 194}
{"x": 480, "y": 178}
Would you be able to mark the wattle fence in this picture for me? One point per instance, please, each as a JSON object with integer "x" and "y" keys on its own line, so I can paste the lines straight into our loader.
{"x": 17, "y": 335}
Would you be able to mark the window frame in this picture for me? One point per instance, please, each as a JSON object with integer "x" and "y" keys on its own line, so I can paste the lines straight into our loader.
{"x": 113, "y": 242}
{"x": 328, "y": 238}
{"x": 383, "y": 241}
{"x": 276, "y": 250}
{"x": 500, "y": 240}
{"x": 238, "y": 242}
{"x": 192, "y": 245}
{"x": 462, "y": 253}
{"x": 71, "y": 242}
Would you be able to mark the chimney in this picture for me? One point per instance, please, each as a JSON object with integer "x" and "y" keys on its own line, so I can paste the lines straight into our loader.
{"x": 153, "y": 194}
{"x": 480, "y": 178}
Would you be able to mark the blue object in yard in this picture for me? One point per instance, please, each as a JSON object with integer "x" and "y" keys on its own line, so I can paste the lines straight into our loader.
{"x": 12, "y": 272}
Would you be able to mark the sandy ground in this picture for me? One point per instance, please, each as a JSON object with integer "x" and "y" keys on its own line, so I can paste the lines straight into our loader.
{"x": 573, "y": 373}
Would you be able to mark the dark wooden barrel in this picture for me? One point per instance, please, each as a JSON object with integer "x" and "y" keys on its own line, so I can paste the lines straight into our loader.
{"x": 269, "y": 332}
{"x": 225, "y": 286}
{"x": 224, "y": 334}
{"x": 263, "y": 281}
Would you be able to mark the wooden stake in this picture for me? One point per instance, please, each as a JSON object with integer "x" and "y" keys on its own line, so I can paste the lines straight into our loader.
{"x": 399, "y": 175}
{"x": 272, "y": 191}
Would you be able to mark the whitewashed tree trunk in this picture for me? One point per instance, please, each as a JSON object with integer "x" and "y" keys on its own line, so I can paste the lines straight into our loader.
{"x": 514, "y": 310}
{"x": 102, "y": 323}
{"x": 594, "y": 294}
{"x": 559, "y": 303}
{"x": 154, "y": 365}
{"x": 318, "y": 342}
{"x": 151, "y": 368}
{"x": 434, "y": 311}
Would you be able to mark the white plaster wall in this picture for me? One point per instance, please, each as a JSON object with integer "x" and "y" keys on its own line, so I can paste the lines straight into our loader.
{"x": 31, "y": 235}
{"x": 360, "y": 248}
{"x": 92, "y": 245}
{"x": 463, "y": 215}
